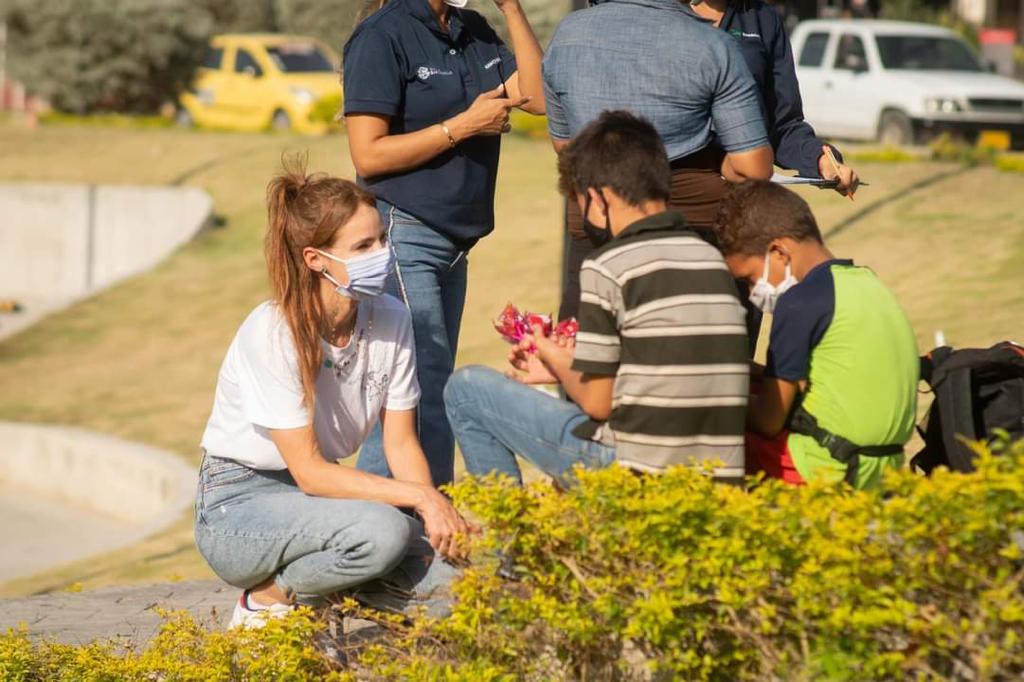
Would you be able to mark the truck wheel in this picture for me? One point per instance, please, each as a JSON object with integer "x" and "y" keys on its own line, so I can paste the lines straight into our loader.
{"x": 895, "y": 128}
{"x": 281, "y": 121}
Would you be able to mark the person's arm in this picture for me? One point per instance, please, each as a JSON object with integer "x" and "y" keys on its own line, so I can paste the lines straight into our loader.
{"x": 527, "y": 80}
{"x": 376, "y": 152}
{"x": 317, "y": 477}
{"x": 796, "y": 145}
{"x": 374, "y": 90}
{"x": 755, "y": 164}
{"x": 769, "y": 409}
{"x": 802, "y": 316}
{"x": 736, "y": 113}
{"x": 402, "y": 447}
{"x": 549, "y": 361}
{"x": 592, "y": 392}
{"x": 558, "y": 118}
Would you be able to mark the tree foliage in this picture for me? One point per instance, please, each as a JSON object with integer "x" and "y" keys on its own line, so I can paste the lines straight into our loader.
{"x": 133, "y": 56}
{"x": 113, "y": 55}
{"x": 330, "y": 21}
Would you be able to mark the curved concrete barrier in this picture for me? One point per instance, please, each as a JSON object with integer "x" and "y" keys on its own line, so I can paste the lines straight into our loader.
{"x": 66, "y": 493}
{"x": 63, "y": 242}
{"x": 142, "y": 488}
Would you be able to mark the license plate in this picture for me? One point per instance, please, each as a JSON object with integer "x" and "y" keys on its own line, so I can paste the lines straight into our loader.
{"x": 994, "y": 139}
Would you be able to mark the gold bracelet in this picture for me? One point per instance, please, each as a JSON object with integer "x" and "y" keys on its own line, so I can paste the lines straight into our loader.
{"x": 448, "y": 132}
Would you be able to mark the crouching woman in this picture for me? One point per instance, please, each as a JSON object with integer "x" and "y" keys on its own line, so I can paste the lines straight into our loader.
{"x": 307, "y": 376}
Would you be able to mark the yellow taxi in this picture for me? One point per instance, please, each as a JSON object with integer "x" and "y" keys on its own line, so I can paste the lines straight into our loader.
{"x": 251, "y": 82}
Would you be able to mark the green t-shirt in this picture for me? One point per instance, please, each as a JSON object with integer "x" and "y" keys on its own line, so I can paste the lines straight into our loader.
{"x": 844, "y": 333}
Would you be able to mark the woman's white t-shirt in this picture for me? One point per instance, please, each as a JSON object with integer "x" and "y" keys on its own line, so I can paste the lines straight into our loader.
{"x": 259, "y": 386}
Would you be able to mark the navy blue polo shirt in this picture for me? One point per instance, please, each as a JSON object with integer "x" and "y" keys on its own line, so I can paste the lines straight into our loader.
{"x": 399, "y": 63}
{"x": 761, "y": 35}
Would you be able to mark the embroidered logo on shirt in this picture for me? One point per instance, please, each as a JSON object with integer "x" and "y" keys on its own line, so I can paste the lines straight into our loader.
{"x": 375, "y": 384}
{"x": 425, "y": 72}
{"x": 740, "y": 34}
{"x": 496, "y": 60}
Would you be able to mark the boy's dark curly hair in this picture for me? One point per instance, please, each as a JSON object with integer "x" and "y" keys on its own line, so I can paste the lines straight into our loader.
{"x": 757, "y": 212}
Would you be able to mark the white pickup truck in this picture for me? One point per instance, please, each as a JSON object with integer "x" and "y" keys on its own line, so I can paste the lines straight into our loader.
{"x": 899, "y": 83}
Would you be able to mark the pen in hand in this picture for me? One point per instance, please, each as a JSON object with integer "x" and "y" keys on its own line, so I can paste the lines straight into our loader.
{"x": 827, "y": 151}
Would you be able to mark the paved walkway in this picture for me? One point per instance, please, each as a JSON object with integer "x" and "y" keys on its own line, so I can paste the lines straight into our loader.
{"x": 129, "y": 612}
{"x": 77, "y": 618}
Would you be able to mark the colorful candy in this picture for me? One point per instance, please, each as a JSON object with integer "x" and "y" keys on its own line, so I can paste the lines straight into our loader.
{"x": 513, "y": 325}
{"x": 567, "y": 328}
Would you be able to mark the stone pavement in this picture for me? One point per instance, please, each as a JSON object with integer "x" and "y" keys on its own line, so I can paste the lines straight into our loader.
{"x": 114, "y": 612}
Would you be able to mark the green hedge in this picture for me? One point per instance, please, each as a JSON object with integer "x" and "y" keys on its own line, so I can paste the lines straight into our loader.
{"x": 673, "y": 577}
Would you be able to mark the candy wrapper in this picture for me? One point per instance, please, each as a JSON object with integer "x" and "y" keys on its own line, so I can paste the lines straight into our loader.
{"x": 567, "y": 328}
{"x": 513, "y": 325}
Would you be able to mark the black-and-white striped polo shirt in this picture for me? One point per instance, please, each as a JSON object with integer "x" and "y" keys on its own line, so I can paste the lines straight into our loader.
{"x": 659, "y": 311}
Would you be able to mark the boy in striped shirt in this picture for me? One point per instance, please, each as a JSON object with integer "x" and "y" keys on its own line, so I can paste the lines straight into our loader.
{"x": 659, "y": 372}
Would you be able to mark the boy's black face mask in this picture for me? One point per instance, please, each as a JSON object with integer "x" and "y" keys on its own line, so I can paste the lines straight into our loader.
{"x": 595, "y": 234}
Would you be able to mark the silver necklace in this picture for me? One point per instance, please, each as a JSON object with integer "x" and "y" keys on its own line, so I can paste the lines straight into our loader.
{"x": 342, "y": 367}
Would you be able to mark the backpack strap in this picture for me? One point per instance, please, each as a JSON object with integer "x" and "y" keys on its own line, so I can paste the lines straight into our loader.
{"x": 956, "y": 403}
{"x": 841, "y": 449}
{"x": 933, "y": 360}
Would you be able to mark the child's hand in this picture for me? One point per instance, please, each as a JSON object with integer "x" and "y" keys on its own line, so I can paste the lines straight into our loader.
{"x": 524, "y": 358}
{"x": 566, "y": 342}
{"x": 548, "y": 348}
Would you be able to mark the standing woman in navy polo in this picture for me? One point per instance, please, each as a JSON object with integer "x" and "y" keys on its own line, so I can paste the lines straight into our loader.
{"x": 759, "y": 31}
{"x": 428, "y": 90}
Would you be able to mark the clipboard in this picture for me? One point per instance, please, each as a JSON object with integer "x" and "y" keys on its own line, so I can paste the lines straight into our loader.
{"x": 820, "y": 183}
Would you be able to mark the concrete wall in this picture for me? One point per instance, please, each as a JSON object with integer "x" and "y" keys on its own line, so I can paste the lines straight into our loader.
{"x": 145, "y": 486}
{"x": 67, "y": 241}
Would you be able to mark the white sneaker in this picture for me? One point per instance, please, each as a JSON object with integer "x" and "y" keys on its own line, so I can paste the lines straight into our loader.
{"x": 247, "y": 618}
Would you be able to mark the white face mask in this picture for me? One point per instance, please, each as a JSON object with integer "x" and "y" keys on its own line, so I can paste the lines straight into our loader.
{"x": 456, "y": 3}
{"x": 367, "y": 274}
{"x": 764, "y": 295}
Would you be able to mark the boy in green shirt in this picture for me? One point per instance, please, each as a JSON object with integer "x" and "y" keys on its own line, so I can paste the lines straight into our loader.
{"x": 838, "y": 398}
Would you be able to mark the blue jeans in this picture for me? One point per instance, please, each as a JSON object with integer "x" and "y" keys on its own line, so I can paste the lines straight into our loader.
{"x": 251, "y": 525}
{"x": 495, "y": 418}
{"x": 431, "y": 279}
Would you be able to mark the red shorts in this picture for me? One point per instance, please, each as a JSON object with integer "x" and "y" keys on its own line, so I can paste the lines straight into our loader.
{"x": 771, "y": 455}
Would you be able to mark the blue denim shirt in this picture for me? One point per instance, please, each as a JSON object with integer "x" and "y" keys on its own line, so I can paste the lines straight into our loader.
{"x": 653, "y": 58}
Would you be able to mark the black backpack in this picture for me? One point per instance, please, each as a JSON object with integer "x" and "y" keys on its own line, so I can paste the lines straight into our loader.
{"x": 977, "y": 391}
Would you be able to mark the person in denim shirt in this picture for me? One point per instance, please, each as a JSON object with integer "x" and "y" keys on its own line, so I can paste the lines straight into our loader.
{"x": 657, "y": 60}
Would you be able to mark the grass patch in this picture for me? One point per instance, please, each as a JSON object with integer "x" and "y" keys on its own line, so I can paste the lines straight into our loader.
{"x": 1010, "y": 163}
{"x": 883, "y": 155}
{"x": 140, "y": 360}
{"x": 106, "y": 120}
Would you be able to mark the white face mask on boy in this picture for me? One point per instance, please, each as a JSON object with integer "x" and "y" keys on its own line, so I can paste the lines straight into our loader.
{"x": 367, "y": 274}
{"x": 764, "y": 295}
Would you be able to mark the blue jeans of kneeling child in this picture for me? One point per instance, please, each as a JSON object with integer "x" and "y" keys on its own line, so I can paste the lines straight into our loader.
{"x": 251, "y": 525}
{"x": 494, "y": 418}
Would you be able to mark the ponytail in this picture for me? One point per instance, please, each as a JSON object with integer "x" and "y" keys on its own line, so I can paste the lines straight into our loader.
{"x": 304, "y": 211}
{"x": 368, "y": 9}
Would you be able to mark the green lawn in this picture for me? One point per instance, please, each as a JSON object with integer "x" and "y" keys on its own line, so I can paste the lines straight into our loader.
{"x": 140, "y": 360}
